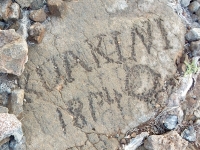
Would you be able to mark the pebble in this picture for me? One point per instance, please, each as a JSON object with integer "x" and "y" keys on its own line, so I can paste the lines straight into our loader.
{"x": 133, "y": 135}
{"x": 181, "y": 68}
{"x": 185, "y": 3}
{"x": 38, "y": 15}
{"x": 170, "y": 122}
{"x": 195, "y": 48}
{"x": 193, "y": 7}
{"x": 189, "y": 134}
{"x": 15, "y": 11}
{"x": 36, "y": 33}
{"x": 193, "y": 35}
{"x": 37, "y": 4}
{"x": 17, "y": 98}
{"x": 123, "y": 141}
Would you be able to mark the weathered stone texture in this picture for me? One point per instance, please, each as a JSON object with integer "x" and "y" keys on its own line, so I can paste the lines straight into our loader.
{"x": 98, "y": 71}
{"x": 13, "y": 52}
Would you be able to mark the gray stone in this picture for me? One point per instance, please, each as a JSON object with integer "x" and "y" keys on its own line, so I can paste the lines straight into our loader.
{"x": 195, "y": 25}
{"x": 194, "y": 18}
{"x": 195, "y": 48}
{"x": 185, "y": 3}
{"x": 17, "y": 98}
{"x": 194, "y": 6}
{"x": 14, "y": 25}
{"x": 24, "y": 3}
{"x": 198, "y": 12}
{"x": 170, "y": 122}
{"x": 3, "y": 109}
{"x": 14, "y": 12}
{"x": 10, "y": 126}
{"x": 193, "y": 35}
{"x": 169, "y": 141}
{"x": 5, "y": 146}
{"x": 37, "y": 4}
{"x": 2, "y": 25}
{"x": 189, "y": 134}
{"x": 13, "y": 52}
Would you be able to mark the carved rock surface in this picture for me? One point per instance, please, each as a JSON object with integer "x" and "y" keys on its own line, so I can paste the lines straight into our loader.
{"x": 98, "y": 71}
{"x": 13, "y": 52}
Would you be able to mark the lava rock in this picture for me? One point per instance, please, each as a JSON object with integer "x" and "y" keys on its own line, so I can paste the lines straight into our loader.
{"x": 189, "y": 134}
{"x": 2, "y": 25}
{"x": 36, "y": 33}
{"x": 57, "y": 7}
{"x": 194, "y": 6}
{"x": 38, "y": 15}
{"x": 10, "y": 126}
{"x": 185, "y": 3}
{"x": 14, "y": 11}
{"x": 13, "y": 52}
{"x": 37, "y": 4}
{"x": 17, "y": 98}
{"x": 193, "y": 35}
{"x": 170, "y": 122}
{"x": 169, "y": 141}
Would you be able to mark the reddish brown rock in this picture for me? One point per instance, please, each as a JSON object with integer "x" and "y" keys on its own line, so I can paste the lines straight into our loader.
{"x": 57, "y": 7}
{"x": 13, "y": 52}
{"x": 38, "y": 15}
{"x": 36, "y": 33}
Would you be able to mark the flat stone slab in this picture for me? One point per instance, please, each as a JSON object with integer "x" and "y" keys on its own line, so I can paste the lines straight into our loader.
{"x": 99, "y": 71}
